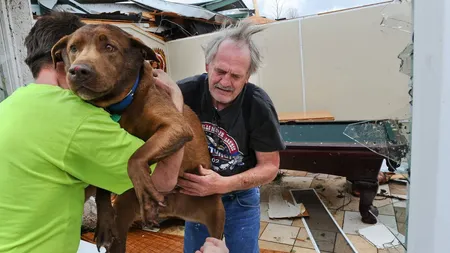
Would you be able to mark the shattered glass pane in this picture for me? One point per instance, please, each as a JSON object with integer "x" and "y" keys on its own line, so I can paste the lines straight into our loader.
{"x": 383, "y": 137}
{"x": 394, "y": 16}
{"x": 393, "y": 23}
{"x": 406, "y": 60}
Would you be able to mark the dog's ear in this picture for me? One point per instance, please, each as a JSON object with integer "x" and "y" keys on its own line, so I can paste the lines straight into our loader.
{"x": 148, "y": 53}
{"x": 57, "y": 50}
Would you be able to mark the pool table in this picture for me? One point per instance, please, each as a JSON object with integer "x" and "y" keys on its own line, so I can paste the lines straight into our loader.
{"x": 322, "y": 147}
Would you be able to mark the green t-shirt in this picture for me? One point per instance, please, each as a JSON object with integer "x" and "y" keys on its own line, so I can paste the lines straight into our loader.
{"x": 52, "y": 146}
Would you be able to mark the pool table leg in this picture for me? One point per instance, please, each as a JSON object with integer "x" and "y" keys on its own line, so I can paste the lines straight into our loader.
{"x": 368, "y": 191}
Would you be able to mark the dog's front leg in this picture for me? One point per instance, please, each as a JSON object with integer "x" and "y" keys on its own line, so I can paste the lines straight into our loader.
{"x": 106, "y": 229}
{"x": 169, "y": 138}
{"x": 89, "y": 192}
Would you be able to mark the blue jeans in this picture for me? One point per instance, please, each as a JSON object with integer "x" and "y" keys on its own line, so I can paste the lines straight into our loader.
{"x": 242, "y": 212}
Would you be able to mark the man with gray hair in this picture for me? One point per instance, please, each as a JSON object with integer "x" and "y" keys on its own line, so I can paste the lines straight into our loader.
{"x": 241, "y": 125}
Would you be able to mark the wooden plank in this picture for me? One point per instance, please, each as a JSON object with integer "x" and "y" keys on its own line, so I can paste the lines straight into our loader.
{"x": 305, "y": 116}
{"x": 149, "y": 15}
{"x": 174, "y": 15}
{"x": 105, "y": 21}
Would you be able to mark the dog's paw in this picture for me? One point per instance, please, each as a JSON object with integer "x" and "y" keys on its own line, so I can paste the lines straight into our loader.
{"x": 149, "y": 212}
{"x": 149, "y": 199}
{"x": 105, "y": 233}
{"x": 145, "y": 189}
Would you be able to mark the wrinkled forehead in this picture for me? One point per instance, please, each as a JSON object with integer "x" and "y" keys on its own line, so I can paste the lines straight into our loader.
{"x": 96, "y": 33}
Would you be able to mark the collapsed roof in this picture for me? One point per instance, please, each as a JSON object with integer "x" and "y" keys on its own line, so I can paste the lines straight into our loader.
{"x": 167, "y": 20}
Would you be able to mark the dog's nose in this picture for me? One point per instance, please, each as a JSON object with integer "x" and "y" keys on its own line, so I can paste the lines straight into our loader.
{"x": 81, "y": 71}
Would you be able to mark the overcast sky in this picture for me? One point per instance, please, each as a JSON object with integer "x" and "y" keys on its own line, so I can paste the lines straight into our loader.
{"x": 306, "y": 7}
{"x": 303, "y": 7}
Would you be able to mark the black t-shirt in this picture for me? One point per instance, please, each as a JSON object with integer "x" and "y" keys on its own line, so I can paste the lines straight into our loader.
{"x": 232, "y": 140}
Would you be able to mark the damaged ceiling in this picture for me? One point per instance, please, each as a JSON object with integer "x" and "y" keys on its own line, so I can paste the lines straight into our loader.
{"x": 167, "y": 20}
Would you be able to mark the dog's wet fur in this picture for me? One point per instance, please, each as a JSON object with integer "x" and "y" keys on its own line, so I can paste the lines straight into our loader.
{"x": 102, "y": 64}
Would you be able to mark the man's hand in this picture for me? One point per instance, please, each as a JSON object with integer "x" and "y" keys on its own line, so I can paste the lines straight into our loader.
{"x": 207, "y": 183}
{"x": 163, "y": 81}
{"x": 213, "y": 245}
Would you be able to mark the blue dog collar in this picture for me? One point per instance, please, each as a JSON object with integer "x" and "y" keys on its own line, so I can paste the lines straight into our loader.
{"x": 117, "y": 108}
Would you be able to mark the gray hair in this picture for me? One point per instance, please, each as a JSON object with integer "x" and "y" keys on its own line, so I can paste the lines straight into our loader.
{"x": 241, "y": 33}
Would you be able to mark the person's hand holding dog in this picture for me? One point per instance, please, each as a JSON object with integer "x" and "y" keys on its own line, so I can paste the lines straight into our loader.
{"x": 213, "y": 245}
{"x": 207, "y": 183}
{"x": 163, "y": 81}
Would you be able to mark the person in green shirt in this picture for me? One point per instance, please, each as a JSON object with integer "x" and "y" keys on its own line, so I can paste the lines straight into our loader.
{"x": 53, "y": 145}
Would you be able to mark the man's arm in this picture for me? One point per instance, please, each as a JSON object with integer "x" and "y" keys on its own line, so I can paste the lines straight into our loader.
{"x": 210, "y": 182}
{"x": 99, "y": 151}
{"x": 264, "y": 172}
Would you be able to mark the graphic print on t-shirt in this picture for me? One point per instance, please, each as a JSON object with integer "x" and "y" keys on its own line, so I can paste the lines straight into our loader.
{"x": 224, "y": 150}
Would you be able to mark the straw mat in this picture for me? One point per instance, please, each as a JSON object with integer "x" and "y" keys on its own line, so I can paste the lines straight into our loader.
{"x": 140, "y": 241}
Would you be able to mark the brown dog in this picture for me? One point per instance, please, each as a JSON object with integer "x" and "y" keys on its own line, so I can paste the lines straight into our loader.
{"x": 105, "y": 66}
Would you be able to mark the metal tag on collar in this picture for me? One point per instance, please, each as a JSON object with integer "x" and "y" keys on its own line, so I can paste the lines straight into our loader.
{"x": 115, "y": 117}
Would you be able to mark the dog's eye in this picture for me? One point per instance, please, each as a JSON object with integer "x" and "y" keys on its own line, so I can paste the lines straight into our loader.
{"x": 73, "y": 49}
{"x": 109, "y": 48}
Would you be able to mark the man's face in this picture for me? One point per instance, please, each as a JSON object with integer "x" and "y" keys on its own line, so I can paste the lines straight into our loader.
{"x": 228, "y": 72}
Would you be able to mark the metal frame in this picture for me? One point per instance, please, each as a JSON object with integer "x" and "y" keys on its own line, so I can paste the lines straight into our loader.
{"x": 316, "y": 248}
{"x": 214, "y": 5}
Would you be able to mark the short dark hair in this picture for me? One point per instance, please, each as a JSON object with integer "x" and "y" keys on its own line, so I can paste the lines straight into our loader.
{"x": 48, "y": 30}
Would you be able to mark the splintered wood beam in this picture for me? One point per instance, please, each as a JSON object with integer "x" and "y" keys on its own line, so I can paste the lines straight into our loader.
{"x": 105, "y": 21}
{"x": 255, "y": 6}
{"x": 149, "y": 15}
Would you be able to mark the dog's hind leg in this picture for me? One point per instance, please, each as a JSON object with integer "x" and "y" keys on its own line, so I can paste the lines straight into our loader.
{"x": 89, "y": 192}
{"x": 215, "y": 222}
{"x": 213, "y": 218}
{"x": 208, "y": 210}
{"x": 105, "y": 231}
{"x": 126, "y": 207}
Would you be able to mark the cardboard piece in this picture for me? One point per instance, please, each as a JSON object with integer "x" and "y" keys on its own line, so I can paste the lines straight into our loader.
{"x": 282, "y": 205}
{"x": 380, "y": 236}
{"x": 87, "y": 247}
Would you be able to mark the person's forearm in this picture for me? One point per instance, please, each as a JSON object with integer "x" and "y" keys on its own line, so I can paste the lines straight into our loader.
{"x": 259, "y": 175}
{"x": 166, "y": 172}
{"x": 177, "y": 98}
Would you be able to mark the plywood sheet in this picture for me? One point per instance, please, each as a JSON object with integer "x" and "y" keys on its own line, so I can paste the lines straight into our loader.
{"x": 305, "y": 116}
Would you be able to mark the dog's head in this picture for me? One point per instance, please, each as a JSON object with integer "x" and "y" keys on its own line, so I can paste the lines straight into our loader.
{"x": 102, "y": 62}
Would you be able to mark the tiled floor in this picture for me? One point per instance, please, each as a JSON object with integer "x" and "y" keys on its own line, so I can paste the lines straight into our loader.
{"x": 290, "y": 235}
